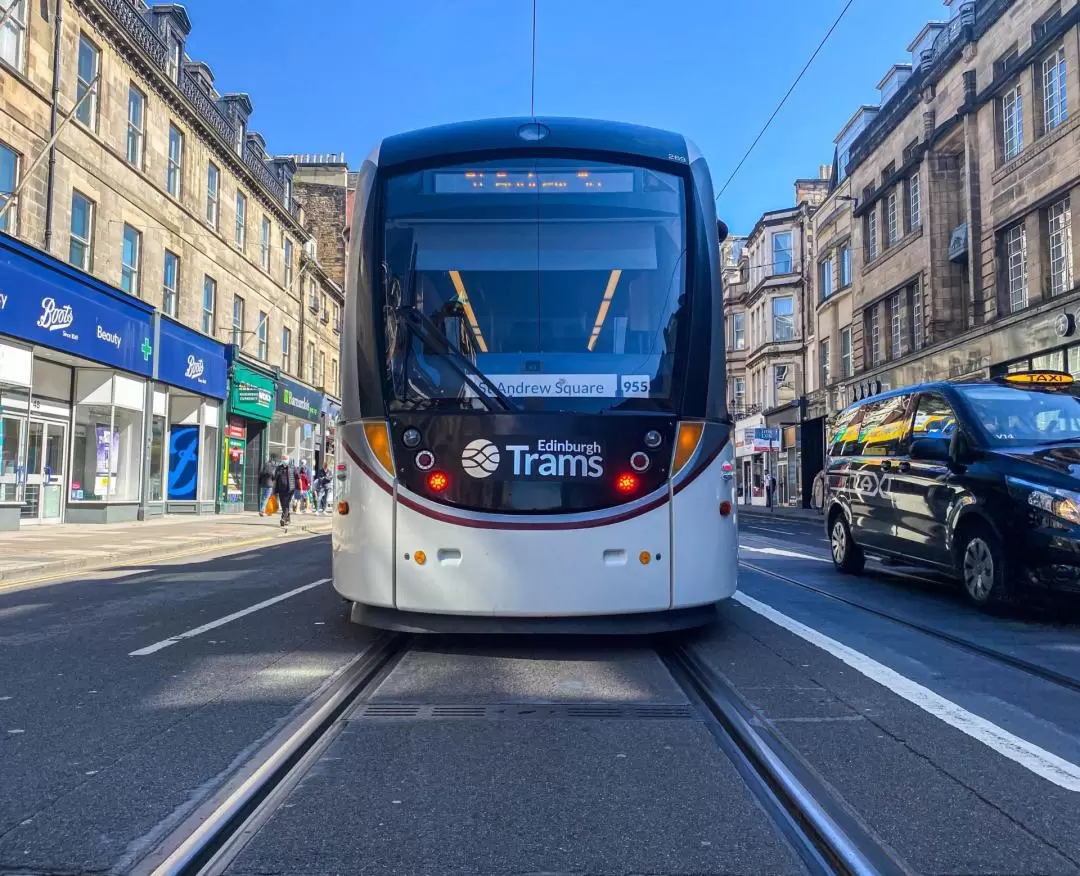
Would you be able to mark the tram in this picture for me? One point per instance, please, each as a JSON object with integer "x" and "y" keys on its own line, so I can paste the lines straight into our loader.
{"x": 534, "y": 432}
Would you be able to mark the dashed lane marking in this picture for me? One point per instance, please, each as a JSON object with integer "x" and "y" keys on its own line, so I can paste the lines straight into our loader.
{"x": 1046, "y": 764}
{"x": 221, "y": 621}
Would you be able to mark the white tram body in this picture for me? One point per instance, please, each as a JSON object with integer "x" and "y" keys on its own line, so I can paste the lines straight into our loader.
{"x": 516, "y": 451}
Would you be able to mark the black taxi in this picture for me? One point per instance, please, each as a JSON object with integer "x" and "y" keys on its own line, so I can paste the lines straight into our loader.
{"x": 979, "y": 479}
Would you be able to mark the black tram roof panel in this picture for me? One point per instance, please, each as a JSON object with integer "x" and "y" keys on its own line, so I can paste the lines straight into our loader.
{"x": 508, "y": 135}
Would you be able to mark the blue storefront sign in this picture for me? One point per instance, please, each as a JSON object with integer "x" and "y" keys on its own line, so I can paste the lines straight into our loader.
{"x": 47, "y": 302}
{"x": 192, "y": 361}
{"x": 298, "y": 400}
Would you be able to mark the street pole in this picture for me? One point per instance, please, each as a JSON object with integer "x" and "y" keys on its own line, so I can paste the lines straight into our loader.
{"x": 148, "y": 423}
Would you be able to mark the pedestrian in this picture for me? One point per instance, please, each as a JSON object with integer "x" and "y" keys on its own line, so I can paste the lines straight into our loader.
{"x": 285, "y": 487}
{"x": 266, "y": 482}
{"x": 817, "y": 493}
{"x": 770, "y": 481}
{"x": 322, "y": 489}
{"x": 303, "y": 485}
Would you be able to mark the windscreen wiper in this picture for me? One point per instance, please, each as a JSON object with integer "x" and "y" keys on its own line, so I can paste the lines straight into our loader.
{"x": 486, "y": 389}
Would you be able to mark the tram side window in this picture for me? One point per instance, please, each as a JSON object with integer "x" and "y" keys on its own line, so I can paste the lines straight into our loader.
{"x": 934, "y": 418}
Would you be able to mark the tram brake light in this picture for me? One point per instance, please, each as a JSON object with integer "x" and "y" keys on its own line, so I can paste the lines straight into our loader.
{"x": 686, "y": 443}
{"x": 626, "y": 483}
{"x": 438, "y": 481}
{"x": 725, "y": 508}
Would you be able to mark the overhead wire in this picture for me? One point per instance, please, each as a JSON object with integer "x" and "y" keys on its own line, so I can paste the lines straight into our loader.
{"x": 783, "y": 100}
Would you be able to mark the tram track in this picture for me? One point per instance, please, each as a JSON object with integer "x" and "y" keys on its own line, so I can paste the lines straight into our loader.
{"x": 1035, "y": 670}
{"x": 827, "y": 838}
{"x": 221, "y": 835}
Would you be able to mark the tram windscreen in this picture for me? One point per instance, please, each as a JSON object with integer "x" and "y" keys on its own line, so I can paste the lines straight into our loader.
{"x": 562, "y": 282}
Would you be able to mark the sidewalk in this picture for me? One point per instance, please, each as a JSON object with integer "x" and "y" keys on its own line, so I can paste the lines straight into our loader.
{"x": 40, "y": 551}
{"x": 782, "y": 512}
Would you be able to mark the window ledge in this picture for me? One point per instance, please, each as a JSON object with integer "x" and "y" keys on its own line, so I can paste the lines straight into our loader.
{"x": 900, "y": 245}
{"x": 1035, "y": 149}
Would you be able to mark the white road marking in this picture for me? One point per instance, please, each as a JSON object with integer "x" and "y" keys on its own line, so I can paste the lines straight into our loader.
{"x": 779, "y": 552}
{"x": 1049, "y": 766}
{"x": 221, "y": 621}
{"x": 757, "y": 528}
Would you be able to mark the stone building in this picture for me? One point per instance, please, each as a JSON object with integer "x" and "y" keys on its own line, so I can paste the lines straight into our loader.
{"x": 962, "y": 241}
{"x": 133, "y": 170}
{"x": 770, "y": 325}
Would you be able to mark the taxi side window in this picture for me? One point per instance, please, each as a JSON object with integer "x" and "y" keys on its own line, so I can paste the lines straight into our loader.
{"x": 934, "y": 418}
{"x": 845, "y": 433}
{"x": 884, "y": 427}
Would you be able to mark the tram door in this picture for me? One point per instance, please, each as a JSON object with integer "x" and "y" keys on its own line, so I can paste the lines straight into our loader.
{"x": 45, "y": 475}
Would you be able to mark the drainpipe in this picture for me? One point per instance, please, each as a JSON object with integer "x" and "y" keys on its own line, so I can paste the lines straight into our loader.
{"x": 58, "y": 21}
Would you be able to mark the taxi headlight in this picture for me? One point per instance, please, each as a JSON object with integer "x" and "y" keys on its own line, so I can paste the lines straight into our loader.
{"x": 1063, "y": 504}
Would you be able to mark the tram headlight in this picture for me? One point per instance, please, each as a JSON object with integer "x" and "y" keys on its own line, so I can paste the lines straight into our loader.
{"x": 653, "y": 439}
{"x": 378, "y": 439}
{"x": 411, "y": 437}
{"x": 686, "y": 444}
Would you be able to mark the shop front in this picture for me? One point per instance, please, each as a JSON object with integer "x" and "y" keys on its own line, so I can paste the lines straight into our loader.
{"x": 296, "y": 427}
{"x": 331, "y": 410}
{"x": 756, "y": 447}
{"x": 187, "y": 420}
{"x": 251, "y": 408}
{"x": 76, "y": 358}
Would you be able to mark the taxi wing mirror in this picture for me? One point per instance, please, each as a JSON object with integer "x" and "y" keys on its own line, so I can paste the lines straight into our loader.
{"x": 931, "y": 450}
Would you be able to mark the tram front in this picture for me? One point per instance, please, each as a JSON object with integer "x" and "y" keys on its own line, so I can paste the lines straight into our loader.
{"x": 534, "y": 432}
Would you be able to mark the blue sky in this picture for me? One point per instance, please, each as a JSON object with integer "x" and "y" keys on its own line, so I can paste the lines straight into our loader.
{"x": 326, "y": 81}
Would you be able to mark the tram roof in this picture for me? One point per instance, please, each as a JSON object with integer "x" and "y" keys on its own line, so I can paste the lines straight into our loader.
{"x": 502, "y": 136}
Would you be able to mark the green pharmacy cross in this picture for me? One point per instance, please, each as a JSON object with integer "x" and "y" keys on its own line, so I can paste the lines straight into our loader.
{"x": 146, "y": 349}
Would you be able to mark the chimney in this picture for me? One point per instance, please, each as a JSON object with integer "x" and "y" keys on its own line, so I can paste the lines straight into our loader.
{"x": 824, "y": 171}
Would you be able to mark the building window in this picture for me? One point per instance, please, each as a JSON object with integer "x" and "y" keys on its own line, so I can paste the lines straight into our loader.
{"x": 896, "y": 326}
{"x": 916, "y": 317}
{"x": 322, "y": 370}
{"x": 783, "y": 311}
{"x": 237, "y": 320}
{"x": 845, "y": 265}
{"x": 9, "y": 182}
{"x": 914, "y": 202}
{"x": 170, "y": 298}
{"x": 261, "y": 334}
{"x": 286, "y": 349}
{"x": 335, "y": 377}
{"x": 739, "y": 393}
{"x": 871, "y": 234}
{"x": 738, "y": 331}
{"x": 136, "y": 128}
{"x": 86, "y": 89}
{"x": 213, "y": 182}
{"x": 241, "y": 220}
{"x": 209, "y": 305}
{"x": 241, "y": 135}
{"x": 264, "y": 255}
{"x": 313, "y": 295}
{"x": 288, "y": 264}
{"x": 337, "y": 317}
{"x": 875, "y": 337}
{"x": 781, "y": 250}
{"x": 826, "y": 278}
{"x": 130, "y": 257}
{"x": 1055, "y": 109}
{"x": 845, "y": 352}
{"x": 288, "y": 193}
{"x": 1016, "y": 265}
{"x": 1012, "y": 122}
{"x": 311, "y": 362}
{"x": 892, "y": 222}
{"x": 13, "y": 34}
{"x": 176, "y": 52}
{"x": 82, "y": 231}
{"x": 1059, "y": 225}
{"x": 175, "y": 172}
{"x": 826, "y": 377}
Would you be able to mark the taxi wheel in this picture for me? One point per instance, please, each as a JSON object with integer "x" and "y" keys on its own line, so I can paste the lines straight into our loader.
{"x": 982, "y": 568}
{"x": 847, "y": 556}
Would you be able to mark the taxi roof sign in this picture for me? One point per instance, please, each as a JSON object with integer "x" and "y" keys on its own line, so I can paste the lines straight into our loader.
{"x": 1039, "y": 378}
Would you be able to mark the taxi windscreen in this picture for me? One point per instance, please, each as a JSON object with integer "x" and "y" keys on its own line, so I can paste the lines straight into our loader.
{"x": 1013, "y": 417}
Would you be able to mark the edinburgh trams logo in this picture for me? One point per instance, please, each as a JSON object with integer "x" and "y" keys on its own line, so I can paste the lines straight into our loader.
{"x": 480, "y": 458}
{"x": 54, "y": 318}
{"x": 545, "y": 458}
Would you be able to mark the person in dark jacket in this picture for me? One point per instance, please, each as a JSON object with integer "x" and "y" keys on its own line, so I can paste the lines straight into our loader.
{"x": 266, "y": 482}
{"x": 285, "y": 481}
